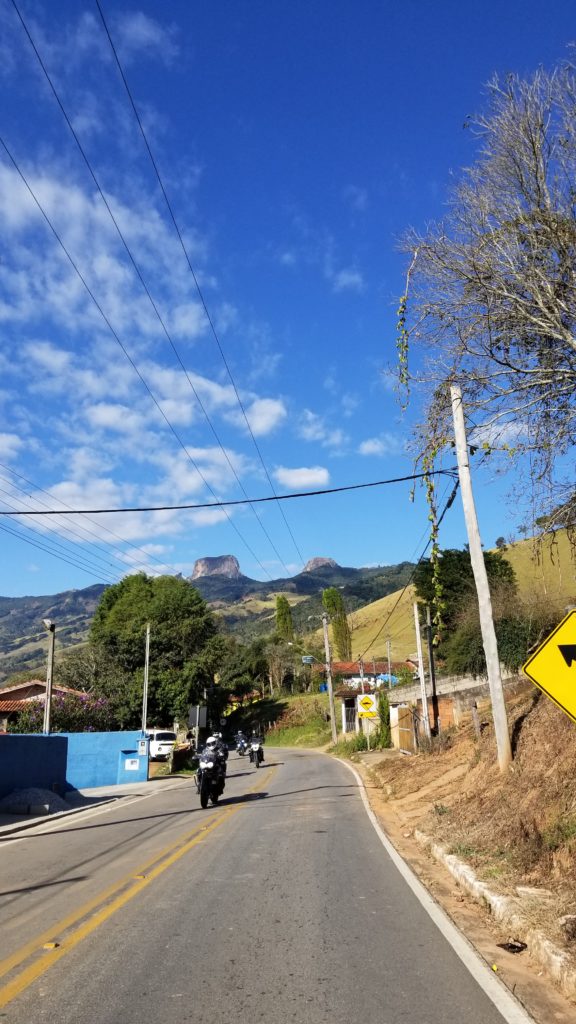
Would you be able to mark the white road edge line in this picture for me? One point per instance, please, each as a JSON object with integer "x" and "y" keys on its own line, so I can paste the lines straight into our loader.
{"x": 507, "y": 1005}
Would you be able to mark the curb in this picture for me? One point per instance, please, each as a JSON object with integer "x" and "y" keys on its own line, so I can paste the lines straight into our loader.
{"x": 8, "y": 830}
{"x": 504, "y": 909}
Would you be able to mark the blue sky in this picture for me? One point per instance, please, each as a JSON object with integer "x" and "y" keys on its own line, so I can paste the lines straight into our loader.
{"x": 296, "y": 142}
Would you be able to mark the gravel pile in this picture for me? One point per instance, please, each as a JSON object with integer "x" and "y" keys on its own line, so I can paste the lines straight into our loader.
{"x": 33, "y": 801}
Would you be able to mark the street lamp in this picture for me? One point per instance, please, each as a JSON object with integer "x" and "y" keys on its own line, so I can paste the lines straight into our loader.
{"x": 51, "y": 627}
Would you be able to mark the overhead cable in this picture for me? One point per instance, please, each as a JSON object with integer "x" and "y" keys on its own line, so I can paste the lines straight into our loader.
{"x": 193, "y": 273}
{"x": 121, "y": 345}
{"x": 254, "y": 501}
{"x": 412, "y": 574}
{"x": 139, "y": 274}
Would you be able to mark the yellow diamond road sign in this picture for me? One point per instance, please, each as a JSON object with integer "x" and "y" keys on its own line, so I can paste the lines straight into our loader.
{"x": 367, "y": 706}
{"x": 553, "y": 666}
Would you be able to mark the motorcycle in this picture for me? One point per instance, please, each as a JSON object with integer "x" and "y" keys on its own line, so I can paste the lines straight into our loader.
{"x": 210, "y": 778}
{"x": 242, "y": 746}
{"x": 256, "y": 753}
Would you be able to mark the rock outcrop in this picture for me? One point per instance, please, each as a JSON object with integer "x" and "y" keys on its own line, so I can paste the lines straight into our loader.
{"x": 320, "y": 563}
{"x": 220, "y": 565}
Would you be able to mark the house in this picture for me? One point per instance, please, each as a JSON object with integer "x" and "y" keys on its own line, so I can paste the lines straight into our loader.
{"x": 347, "y": 673}
{"x": 15, "y": 698}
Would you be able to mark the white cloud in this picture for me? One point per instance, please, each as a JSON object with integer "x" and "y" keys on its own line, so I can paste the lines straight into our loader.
{"x": 384, "y": 444}
{"x": 312, "y": 427}
{"x": 137, "y": 34}
{"x": 108, "y": 416}
{"x": 264, "y": 415}
{"x": 347, "y": 280}
{"x": 305, "y": 476}
{"x": 10, "y": 445}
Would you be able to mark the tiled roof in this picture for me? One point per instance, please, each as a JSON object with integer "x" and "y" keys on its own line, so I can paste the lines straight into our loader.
{"x": 31, "y": 683}
{"x": 13, "y": 705}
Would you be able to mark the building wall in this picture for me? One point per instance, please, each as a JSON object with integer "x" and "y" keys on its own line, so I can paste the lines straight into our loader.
{"x": 38, "y": 761}
{"x": 65, "y": 761}
{"x": 100, "y": 759}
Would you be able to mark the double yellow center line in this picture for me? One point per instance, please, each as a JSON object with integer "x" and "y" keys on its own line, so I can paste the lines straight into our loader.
{"x": 48, "y": 948}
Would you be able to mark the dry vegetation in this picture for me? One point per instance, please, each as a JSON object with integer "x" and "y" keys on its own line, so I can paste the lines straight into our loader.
{"x": 517, "y": 828}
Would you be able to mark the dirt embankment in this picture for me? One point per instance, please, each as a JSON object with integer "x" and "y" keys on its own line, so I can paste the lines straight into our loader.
{"x": 516, "y": 829}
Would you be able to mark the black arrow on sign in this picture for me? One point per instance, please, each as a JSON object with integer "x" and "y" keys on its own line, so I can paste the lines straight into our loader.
{"x": 568, "y": 652}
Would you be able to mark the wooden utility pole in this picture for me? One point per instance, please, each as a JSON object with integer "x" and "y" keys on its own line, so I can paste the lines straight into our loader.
{"x": 425, "y": 717}
{"x": 481, "y": 580}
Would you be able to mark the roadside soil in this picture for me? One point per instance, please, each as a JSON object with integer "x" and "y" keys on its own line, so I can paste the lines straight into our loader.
{"x": 516, "y": 829}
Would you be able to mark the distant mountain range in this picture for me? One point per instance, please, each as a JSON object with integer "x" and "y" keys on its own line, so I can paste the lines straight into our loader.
{"x": 246, "y": 606}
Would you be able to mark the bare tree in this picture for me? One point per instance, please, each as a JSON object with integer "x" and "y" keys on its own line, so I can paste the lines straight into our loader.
{"x": 491, "y": 292}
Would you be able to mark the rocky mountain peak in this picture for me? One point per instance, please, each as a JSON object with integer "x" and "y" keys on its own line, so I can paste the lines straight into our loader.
{"x": 320, "y": 563}
{"x": 220, "y": 565}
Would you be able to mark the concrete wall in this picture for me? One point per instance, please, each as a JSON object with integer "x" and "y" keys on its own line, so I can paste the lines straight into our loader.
{"x": 28, "y": 760}
{"x": 104, "y": 759}
{"x": 74, "y": 760}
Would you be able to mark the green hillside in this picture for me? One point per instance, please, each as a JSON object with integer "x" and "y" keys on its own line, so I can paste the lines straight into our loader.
{"x": 544, "y": 571}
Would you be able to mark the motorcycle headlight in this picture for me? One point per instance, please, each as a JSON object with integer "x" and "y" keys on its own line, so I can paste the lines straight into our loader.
{"x": 206, "y": 764}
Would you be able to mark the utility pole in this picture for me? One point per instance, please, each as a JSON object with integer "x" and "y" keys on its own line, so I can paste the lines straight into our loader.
{"x": 432, "y": 669}
{"x": 146, "y": 669}
{"x": 329, "y": 677}
{"x": 389, "y": 664}
{"x": 425, "y": 718}
{"x": 51, "y": 627}
{"x": 481, "y": 580}
{"x": 361, "y": 664}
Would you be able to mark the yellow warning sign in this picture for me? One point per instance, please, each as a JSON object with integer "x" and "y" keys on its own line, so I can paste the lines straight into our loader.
{"x": 553, "y": 666}
{"x": 368, "y": 706}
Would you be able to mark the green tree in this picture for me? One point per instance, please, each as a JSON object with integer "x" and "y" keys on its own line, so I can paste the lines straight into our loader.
{"x": 284, "y": 625}
{"x": 185, "y": 649}
{"x": 457, "y": 582}
{"x": 334, "y": 604}
{"x": 384, "y": 732}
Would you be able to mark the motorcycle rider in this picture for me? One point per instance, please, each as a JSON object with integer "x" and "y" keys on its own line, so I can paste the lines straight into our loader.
{"x": 217, "y": 750}
{"x": 257, "y": 737}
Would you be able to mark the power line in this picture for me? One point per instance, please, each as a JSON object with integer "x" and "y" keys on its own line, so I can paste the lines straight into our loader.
{"x": 239, "y": 501}
{"x": 139, "y": 272}
{"x": 125, "y": 351}
{"x": 49, "y": 551}
{"x": 87, "y": 559}
{"x": 94, "y": 533}
{"x": 71, "y": 536}
{"x": 193, "y": 273}
{"x": 413, "y": 573}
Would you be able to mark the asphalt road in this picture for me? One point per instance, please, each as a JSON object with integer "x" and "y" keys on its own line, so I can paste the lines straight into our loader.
{"x": 280, "y": 905}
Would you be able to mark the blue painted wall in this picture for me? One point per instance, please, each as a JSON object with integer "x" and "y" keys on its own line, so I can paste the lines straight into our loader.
{"x": 104, "y": 759}
{"x": 32, "y": 760}
{"x": 74, "y": 760}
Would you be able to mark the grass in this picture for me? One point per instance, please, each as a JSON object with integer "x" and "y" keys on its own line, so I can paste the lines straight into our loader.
{"x": 313, "y": 734}
{"x": 346, "y": 748}
{"x": 368, "y": 620}
{"x": 548, "y": 573}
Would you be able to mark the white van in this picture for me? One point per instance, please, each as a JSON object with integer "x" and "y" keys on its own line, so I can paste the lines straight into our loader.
{"x": 161, "y": 743}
